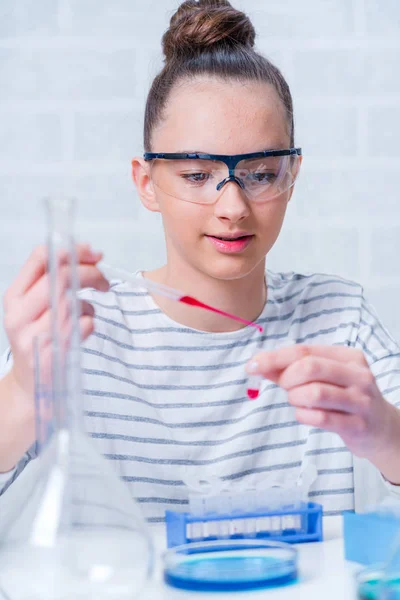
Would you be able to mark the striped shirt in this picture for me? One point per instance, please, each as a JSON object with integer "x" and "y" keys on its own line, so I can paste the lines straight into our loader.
{"x": 163, "y": 401}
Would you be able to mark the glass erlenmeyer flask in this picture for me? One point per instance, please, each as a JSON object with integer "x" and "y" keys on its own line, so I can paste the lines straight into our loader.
{"x": 76, "y": 533}
{"x": 390, "y": 584}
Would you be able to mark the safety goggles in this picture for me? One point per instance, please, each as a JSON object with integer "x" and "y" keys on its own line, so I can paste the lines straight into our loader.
{"x": 200, "y": 178}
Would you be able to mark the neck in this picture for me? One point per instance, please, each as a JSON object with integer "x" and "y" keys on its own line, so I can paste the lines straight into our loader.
{"x": 244, "y": 297}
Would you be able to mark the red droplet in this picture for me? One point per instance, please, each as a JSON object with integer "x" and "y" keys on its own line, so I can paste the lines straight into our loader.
{"x": 191, "y": 301}
{"x": 252, "y": 394}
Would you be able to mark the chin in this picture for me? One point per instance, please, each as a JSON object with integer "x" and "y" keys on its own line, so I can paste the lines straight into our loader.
{"x": 230, "y": 268}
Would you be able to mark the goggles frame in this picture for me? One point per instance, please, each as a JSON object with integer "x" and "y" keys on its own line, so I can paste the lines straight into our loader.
{"x": 230, "y": 160}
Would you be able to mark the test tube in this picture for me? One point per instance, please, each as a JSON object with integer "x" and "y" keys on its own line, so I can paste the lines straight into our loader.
{"x": 212, "y": 528}
{"x": 291, "y": 522}
{"x": 253, "y": 386}
{"x": 249, "y": 527}
{"x": 225, "y": 502}
{"x": 277, "y": 499}
{"x": 196, "y": 531}
{"x": 224, "y": 529}
{"x": 212, "y": 504}
{"x": 276, "y": 524}
{"x": 237, "y": 527}
{"x": 197, "y": 504}
{"x": 255, "y": 381}
{"x": 297, "y": 524}
{"x": 239, "y": 501}
{"x": 263, "y": 525}
{"x": 205, "y": 530}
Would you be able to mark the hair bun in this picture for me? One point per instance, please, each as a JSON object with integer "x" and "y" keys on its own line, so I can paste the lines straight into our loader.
{"x": 199, "y": 25}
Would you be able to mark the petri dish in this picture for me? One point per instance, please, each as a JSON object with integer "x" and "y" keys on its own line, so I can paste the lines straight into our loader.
{"x": 372, "y": 586}
{"x": 230, "y": 565}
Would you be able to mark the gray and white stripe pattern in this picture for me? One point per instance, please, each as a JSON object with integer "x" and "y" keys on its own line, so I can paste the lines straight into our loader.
{"x": 162, "y": 400}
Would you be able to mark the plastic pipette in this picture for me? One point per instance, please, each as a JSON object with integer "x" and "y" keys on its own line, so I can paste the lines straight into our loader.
{"x": 168, "y": 292}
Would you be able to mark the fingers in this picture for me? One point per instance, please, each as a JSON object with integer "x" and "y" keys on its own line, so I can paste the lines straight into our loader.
{"x": 314, "y": 382}
{"x": 270, "y": 363}
{"x": 42, "y": 326}
{"x": 27, "y": 315}
{"x": 326, "y": 397}
{"x": 41, "y": 329}
{"x": 37, "y": 299}
{"x": 87, "y": 309}
{"x": 87, "y": 326}
{"x": 32, "y": 270}
{"x": 44, "y": 349}
{"x": 316, "y": 369}
{"x": 334, "y": 421}
{"x": 36, "y": 266}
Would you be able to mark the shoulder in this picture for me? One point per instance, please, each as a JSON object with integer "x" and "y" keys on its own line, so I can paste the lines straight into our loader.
{"x": 321, "y": 285}
{"x": 121, "y": 312}
{"x": 121, "y": 298}
{"x": 322, "y": 307}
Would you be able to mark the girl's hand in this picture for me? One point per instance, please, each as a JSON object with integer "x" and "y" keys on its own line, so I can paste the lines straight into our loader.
{"x": 333, "y": 388}
{"x": 27, "y": 307}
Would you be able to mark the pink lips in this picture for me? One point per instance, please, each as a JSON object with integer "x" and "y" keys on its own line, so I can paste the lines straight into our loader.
{"x": 230, "y": 246}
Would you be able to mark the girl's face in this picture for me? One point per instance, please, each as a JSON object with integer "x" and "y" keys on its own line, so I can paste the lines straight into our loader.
{"x": 218, "y": 117}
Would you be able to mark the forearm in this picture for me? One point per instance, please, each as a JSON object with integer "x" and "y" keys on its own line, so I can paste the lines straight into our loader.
{"x": 17, "y": 423}
{"x": 387, "y": 460}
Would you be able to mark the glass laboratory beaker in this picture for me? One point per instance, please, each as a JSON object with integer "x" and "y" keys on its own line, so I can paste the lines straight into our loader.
{"x": 382, "y": 581}
{"x": 390, "y": 585}
{"x": 372, "y": 584}
{"x": 76, "y": 532}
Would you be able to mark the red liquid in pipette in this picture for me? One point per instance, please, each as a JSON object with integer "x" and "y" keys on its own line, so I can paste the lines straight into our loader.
{"x": 193, "y": 302}
{"x": 252, "y": 394}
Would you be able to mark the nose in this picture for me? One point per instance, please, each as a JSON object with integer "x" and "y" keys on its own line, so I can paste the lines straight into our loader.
{"x": 232, "y": 204}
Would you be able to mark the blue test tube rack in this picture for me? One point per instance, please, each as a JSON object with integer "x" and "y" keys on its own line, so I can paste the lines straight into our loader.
{"x": 292, "y": 525}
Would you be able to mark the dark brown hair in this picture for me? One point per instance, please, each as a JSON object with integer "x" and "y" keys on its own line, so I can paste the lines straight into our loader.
{"x": 210, "y": 37}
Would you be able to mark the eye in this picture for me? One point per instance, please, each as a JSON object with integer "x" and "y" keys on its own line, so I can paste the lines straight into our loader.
{"x": 261, "y": 177}
{"x": 196, "y": 177}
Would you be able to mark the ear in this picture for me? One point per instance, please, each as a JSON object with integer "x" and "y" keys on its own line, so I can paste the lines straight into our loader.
{"x": 144, "y": 185}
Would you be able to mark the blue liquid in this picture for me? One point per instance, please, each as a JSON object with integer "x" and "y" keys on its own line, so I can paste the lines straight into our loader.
{"x": 231, "y": 573}
{"x": 372, "y": 590}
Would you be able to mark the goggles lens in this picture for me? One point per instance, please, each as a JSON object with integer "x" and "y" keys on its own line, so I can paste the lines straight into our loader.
{"x": 202, "y": 180}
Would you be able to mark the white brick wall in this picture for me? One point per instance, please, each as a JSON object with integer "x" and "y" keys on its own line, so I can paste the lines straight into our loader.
{"x": 74, "y": 76}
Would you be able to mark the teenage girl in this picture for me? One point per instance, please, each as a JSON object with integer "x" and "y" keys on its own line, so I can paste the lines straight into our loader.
{"x": 165, "y": 385}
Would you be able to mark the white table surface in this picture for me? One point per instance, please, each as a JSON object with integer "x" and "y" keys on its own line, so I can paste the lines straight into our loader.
{"x": 323, "y": 573}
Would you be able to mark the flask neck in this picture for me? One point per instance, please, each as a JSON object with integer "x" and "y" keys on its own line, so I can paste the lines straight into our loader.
{"x": 65, "y": 330}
